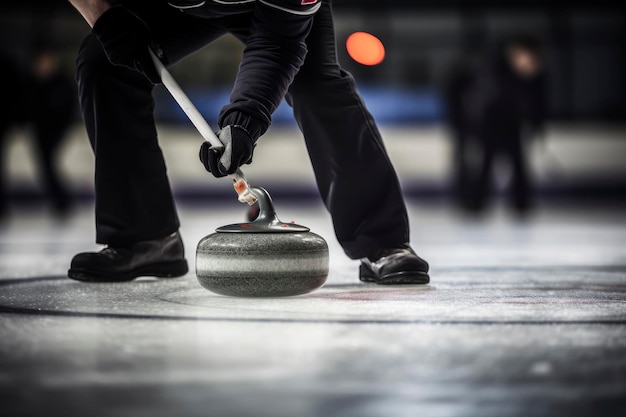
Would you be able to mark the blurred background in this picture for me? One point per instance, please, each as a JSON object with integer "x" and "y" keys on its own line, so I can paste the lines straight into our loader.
{"x": 561, "y": 69}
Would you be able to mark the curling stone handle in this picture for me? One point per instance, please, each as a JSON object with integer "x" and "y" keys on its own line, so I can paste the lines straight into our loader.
{"x": 266, "y": 222}
{"x": 267, "y": 212}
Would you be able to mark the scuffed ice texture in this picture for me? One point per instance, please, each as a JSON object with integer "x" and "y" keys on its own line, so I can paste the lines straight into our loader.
{"x": 520, "y": 319}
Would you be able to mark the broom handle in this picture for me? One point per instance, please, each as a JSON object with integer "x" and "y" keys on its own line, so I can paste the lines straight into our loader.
{"x": 189, "y": 108}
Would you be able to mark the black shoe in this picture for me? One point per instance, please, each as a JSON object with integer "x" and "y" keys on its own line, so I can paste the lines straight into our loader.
{"x": 395, "y": 266}
{"x": 164, "y": 258}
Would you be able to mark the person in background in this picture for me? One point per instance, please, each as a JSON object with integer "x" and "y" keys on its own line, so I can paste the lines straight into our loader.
{"x": 498, "y": 106}
{"x": 52, "y": 105}
{"x": 11, "y": 113}
{"x": 457, "y": 82}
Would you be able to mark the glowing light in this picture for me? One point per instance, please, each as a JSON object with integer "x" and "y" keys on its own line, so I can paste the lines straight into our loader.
{"x": 365, "y": 48}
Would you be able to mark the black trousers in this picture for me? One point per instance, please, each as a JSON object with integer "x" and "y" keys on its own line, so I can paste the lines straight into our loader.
{"x": 48, "y": 139}
{"x": 510, "y": 148}
{"x": 503, "y": 140}
{"x": 133, "y": 198}
{"x": 4, "y": 127}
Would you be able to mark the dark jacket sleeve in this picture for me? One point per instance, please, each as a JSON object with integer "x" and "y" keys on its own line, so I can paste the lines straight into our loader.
{"x": 274, "y": 52}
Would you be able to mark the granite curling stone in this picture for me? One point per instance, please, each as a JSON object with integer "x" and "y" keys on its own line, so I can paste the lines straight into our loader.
{"x": 262, "y": 258}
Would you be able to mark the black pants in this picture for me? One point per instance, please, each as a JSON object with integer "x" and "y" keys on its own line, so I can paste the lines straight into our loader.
{"x": 4, "y": 127}
{"x": 48, "y": 138}
{"x": 508, "y": 145}
{"x": 510, "y": 148}
{"x": 133, "y": 199}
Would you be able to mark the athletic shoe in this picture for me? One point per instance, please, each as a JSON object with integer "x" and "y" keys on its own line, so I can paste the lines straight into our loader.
{"x": 395, "y": 266}
{"x": 163, "y": 258}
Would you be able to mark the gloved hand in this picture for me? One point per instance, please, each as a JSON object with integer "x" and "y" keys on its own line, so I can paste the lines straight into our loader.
{"x": 237, "y": 150}
{"x": 125, "y": 39}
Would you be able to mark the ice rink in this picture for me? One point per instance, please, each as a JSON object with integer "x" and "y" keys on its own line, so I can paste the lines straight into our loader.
{"x": 522, "y": 318}
{"x": 525, "y": 316}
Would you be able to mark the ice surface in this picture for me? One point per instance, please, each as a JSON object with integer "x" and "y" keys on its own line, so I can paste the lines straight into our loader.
{"x": 521, "y": 318}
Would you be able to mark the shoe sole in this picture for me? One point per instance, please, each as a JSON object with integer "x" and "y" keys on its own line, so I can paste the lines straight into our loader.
{"x": 172, "y": 269}
{"x": 397, "y": 278}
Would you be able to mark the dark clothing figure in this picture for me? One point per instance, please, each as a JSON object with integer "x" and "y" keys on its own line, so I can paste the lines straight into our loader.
{"x": 457, "y": 85}
{"x": 289, "y": 53}
{"x": 46, "y": 98}
{"x": 355, "y": 177}
{"x": 11, "y": 113}
{"x": 52, "y": 107}
{"x": 496, "y": 107}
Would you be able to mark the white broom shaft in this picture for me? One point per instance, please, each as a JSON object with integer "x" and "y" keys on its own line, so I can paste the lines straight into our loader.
{"x": 190, "y": 109}
{"x": 183, "y": 101}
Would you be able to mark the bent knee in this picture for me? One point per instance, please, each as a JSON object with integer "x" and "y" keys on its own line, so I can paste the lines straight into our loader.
{"x": 311, "y": 75}
{"x": 322, "y": 85}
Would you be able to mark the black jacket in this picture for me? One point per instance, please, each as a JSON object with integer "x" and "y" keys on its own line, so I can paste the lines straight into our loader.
{"x": 491, "y": 97}
{"x": 275, "y": 51}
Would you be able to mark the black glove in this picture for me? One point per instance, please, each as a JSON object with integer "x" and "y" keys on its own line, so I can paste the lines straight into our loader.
{"x": 125, "y": 39}
{"x": 237, "y": 150}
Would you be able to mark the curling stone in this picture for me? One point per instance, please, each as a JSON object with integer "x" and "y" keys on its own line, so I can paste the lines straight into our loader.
{"x": 262, "y": 258}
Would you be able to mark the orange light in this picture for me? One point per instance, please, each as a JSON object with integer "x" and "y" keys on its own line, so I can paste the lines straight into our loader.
{"x": 365, "y": 48}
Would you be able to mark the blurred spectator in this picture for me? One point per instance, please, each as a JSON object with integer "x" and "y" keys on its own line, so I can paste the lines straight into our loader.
{"x": 11, "y": 113}
{"x": 51, "y": 107}
{"x": 44, "y": 97}
{"x": 458, "y": 82}
{"x": 494, "y": 108}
